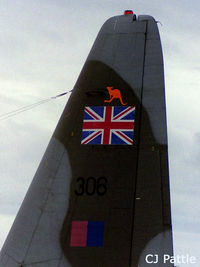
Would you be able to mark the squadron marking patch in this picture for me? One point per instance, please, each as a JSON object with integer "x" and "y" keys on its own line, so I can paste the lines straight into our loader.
{"x": 114, "y": 94}
{"x": 87, "y": 234}
{"x": 108, "y": 125}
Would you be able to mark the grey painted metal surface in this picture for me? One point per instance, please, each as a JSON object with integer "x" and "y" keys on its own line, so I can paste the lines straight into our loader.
{"x": 35, "y": 233}
{"x": 134, "y": 205}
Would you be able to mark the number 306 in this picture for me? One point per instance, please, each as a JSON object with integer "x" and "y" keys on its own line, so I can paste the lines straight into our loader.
{"x": 91, "y": 186}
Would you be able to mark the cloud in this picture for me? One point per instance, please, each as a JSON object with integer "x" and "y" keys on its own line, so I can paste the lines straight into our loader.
{"x": 5, "y": 222}
{"x": 187, "y": 244}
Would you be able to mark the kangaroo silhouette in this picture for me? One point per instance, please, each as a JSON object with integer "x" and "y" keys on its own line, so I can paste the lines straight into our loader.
{"x": 114, "y": 93}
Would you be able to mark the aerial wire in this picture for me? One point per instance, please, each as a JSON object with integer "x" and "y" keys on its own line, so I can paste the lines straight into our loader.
{"x": 30, "y": 106}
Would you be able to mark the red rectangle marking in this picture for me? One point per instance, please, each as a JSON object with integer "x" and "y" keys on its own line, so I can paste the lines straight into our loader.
{"x": 79, "y": 234}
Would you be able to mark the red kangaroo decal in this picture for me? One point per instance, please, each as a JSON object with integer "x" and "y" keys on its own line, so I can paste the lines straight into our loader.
{"x": 114, "y": 93}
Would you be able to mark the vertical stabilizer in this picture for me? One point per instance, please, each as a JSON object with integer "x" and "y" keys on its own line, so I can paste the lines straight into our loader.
{"x": 100, "y": 197}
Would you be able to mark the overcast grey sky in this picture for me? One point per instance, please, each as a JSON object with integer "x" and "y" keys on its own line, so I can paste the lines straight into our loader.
{"x": 43, "y": 47}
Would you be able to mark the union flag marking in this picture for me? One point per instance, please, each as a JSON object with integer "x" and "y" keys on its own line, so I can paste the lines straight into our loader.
{"x": 108, "y": 125}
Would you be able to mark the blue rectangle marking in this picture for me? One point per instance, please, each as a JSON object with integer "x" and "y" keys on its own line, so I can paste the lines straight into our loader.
{"x": 95, "y": 234}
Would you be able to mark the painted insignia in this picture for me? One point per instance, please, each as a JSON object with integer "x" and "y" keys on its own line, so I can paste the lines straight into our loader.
{"x": 114, "y": 94}
{"x": 87, "y": 234}
{"x": 108, "y": 125}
